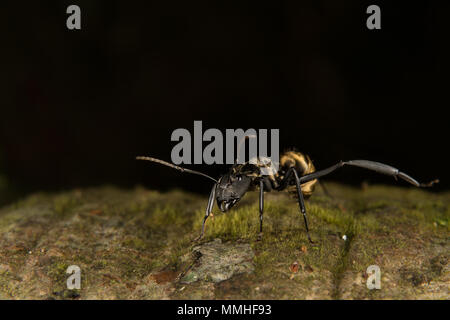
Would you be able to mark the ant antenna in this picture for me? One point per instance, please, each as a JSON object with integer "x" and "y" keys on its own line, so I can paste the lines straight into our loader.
{"x": 175, "y": 167}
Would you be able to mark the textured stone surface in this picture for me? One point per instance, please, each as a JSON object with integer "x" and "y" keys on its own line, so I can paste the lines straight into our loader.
{"x": 138, "y": 244}
{"x": 216, "y": 261}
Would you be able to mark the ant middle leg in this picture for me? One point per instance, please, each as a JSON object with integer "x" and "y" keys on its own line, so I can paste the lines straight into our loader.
{"x": 301, "y": 202}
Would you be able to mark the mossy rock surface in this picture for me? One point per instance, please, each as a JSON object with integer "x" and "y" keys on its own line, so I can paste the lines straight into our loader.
{"x": 216, "y": 261}
{"x": 138, "y": 244}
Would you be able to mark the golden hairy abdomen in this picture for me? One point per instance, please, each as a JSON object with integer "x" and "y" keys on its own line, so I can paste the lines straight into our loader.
{"x": 303, "y": 164}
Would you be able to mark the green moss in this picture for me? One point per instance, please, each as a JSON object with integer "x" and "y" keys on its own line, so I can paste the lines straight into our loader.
{"x": 8, "y": 289}
{"x": 64, "y": 204}
{"x": 100, "y": 264}
{"x": 342, "y": 261}
{"x": 135, "y": 243}
{"x": 57, "y": 270}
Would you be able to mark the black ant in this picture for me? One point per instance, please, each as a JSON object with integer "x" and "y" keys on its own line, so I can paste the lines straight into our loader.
{"x": 296, "y": 172}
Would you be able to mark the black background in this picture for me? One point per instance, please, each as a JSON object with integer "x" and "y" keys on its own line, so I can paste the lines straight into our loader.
{"x": 78, "y": 106}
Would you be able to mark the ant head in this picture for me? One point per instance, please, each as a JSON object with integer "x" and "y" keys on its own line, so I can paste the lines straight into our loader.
{"x": 230, "y": 188}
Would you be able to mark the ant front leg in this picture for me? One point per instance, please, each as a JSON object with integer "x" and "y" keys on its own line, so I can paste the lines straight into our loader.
{"x": 261, "y": 208}
{"x": 208, "y": 211}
